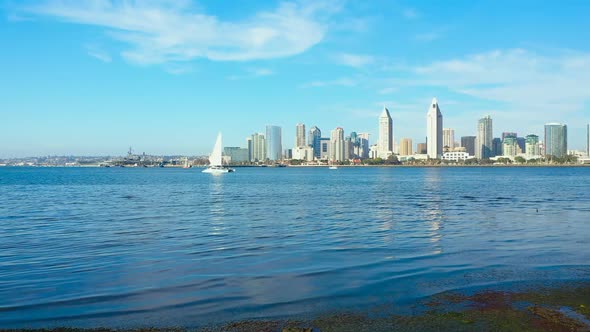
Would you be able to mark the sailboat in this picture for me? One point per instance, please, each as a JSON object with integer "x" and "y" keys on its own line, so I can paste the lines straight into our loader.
{"x": 215, "y": 160}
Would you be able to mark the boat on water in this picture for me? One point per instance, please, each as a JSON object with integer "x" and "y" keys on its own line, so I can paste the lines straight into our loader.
{"x": 333, "y": 167}
{"x": 216, "y": 161}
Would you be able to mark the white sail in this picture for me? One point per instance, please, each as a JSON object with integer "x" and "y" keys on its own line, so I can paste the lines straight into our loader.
{"x": 215, "y": 157}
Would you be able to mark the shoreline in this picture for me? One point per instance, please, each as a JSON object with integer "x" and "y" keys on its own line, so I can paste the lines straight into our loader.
{"x": 562, "y": 306}
{"x": 315, "y": 166}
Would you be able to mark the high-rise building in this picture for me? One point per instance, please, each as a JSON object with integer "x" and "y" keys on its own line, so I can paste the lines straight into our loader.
{"x": 448, "y": 138}
{"x": 337, "y": 145}
{"x": 385, "y": 144}
{"x": 258, "y": 147}
{"x": 497, "y": 149}
{"x": 314, "y": 140}
{"x": 300, "y": 135}
{"x": 468, "y": 142}
{"x": 363, "y": 151}
{"x": 521, "y": 142}
{"x": 508, "y": 134}
{"x": 274, "y": 145}
{"x": 249, "y": 142}
{"x": 556, "y": 140}
{"x": 421, "y": 148}
{"x": 532, "y": 146}
{"x": 405, "y": 147}
{"x": 485, "y": 134}
{"x": 434, "y": 131}
{"x": 509, "y": 146}
{"x": 324, "y": 148}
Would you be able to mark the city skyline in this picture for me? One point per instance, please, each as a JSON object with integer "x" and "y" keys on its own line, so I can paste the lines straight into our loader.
{"x": 109, "y": 77}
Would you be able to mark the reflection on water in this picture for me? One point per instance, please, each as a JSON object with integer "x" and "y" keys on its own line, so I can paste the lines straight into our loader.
{"x": 137, "y": 247}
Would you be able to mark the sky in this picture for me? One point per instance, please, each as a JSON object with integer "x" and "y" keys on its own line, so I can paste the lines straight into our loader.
{"x": 95, "y": 77}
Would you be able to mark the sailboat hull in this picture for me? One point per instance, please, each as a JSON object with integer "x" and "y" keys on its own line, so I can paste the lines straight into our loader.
{"x": 215, "y": 170}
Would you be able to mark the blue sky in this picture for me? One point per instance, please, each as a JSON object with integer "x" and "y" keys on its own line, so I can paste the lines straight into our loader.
{"x": 95, "y": 77}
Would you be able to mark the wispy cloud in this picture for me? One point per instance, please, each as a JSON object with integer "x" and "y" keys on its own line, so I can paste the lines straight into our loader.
{"x": 387, "y": 91}
{"x": 337, "y": 82}
{"x": 427, "y": 37}
{"x": 252, "y": 73}
{"x": 97, "y": 52}
{"x": 410, "y": 13}
{"x": 354, "y": 60}
{"x": 163, "y": 31}
{"x": 521, "y": 79}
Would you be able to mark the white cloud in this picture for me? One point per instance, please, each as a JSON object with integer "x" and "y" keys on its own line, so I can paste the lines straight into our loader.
{"x": 354, "y": 60}
{"x": 163, "y": 31}
{"x": 410, "y": 13}
{"x": 98, "y": 53}
{"x": 261, "y": 71}
{"x": 427, "y": 37}
{"x": 337, "y": 82}
{"x": 520, "y": 78}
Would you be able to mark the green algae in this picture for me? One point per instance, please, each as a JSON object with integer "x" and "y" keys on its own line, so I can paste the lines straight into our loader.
{"x": 539, "y": 309}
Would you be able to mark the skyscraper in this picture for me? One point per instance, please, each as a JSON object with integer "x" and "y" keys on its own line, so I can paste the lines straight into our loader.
{"x": 337, "y": 145}
{"x": 421, "y": 148}
{"x": 509, "y": 147}
{"x": 497, "y": 148}
{"x": 508, "y": 134}
{"x": 448, "y": 138}
{"x": 485, "y": 134}
{"x": 249, "y": 142}
{"x": 385, "y": 144}
{"x": 274, "y": 145}
{"x": 258, "y": 147}
{"x": 532, "y": 146}
{"x": 468, "y": 142}
{"x": 405, "y": 147}
{"x": 556, "y": 140}
{"x": 300, "y": 135}
{"x": 434, "y": 124}
{"x": 363, "y": 145}
{"x": 314, "y": 140}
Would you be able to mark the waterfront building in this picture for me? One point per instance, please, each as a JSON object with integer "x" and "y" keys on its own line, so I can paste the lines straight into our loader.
{"x": 434, "y": 133}
{"x": 299, "y": 135}
{"x": 274, "y": 145}
{"x": 249, "y": 142}
{"x": 588, "y": 140}
{"x": 288, "y": 154}
{"x": 509, "y": 147}
{"x": 363, "y": 148}
{"x": 508, "y": 134}
{"x": 324, "y": 148}
{"x": 303, "y": 153}
{"x": 521, "y": 143}
{"x": 236, "y": 154}
{"x": 468, "y": 142}
{"x": 374, "y": 151}
{"x": 337, "y": 144}
{"x": 405, "y": 147}
{"x": 497, "y": 147}
{"x": 421, "y": 148}
{"x": 258, "y": 147}
{"x": 532, "y": 148}
{"x": 556, "y": 140}
{"x": 456, "y": 156}
{"x": 315, "y": 134}
{"x": 483, "y": 146}
{"x": 385, "y": 143}
{"x": 448, "y": 138}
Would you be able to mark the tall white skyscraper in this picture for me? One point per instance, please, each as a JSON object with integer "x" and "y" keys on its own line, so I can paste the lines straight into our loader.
{"x": 385, "y": 143}
{"x": 434, "y": 131}
{"x": 300, "y": 135}
{"x": 337, "y": 145}
{"x": 448, "y": 138}
{"x": 485, "y": 136}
